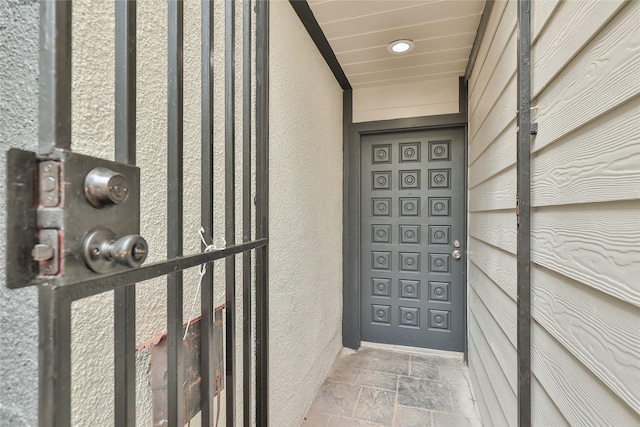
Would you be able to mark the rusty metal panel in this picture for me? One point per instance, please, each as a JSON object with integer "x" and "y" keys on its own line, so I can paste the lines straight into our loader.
{"x": 191, "y": 369}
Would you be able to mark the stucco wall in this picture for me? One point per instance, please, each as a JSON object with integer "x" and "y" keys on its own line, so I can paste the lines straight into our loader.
{"x": 305, "y": 217}
{"x": 18, "y": 128}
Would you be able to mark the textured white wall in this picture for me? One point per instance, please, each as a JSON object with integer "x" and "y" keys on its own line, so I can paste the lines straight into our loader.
{"x": 18, "y": 128}
{"x": 305, "y": 217}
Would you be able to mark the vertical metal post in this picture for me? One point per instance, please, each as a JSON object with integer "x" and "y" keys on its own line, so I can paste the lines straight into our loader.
{"x": 54, "y": 86}
{"x": 175, "y": 212}
{"x": 55, "y": 358}
{"x": 262, "y": 212}
{"x": 125, "y": 152}
{"x": 524, "y": 213}
{"x": 230, "y": 206}
{"x": 246, "y": 212}
{"x": 208, "y": 384}
{"x": 54, "y": 121}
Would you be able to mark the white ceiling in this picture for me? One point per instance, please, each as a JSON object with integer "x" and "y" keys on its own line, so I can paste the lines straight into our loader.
{"x": 360, "y": 30}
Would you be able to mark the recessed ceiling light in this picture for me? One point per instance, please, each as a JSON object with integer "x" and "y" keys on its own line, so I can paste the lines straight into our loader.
{"x": 401, "y": 46}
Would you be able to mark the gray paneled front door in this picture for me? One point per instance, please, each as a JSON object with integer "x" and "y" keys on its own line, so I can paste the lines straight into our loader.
{"x": 413, "y": 213}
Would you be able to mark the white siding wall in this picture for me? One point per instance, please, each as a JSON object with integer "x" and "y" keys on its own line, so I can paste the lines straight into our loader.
{"x": 585, "y": 216}
{"x": 492, "y": 219}
{"x": 428, "y": 98}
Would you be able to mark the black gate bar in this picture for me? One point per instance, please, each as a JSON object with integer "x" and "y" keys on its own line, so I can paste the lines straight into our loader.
{"x": 246, "y": 212}
{"x": 54, "y": 81}
{"x": 230, "y": 205}
{"x": 208, "y": 381}
{"x": 125, "y": 152}
{"x": 54, "y": 121}
{"x": 175, "y": 217}
{"x": 262, "y": 211}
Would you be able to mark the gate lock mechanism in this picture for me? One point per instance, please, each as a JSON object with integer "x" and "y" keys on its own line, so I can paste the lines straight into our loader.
{"x": 102, "y": 252}
{"x": 70, "y": 217}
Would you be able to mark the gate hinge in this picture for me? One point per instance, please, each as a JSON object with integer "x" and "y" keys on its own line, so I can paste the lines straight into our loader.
{"x": 49, "y": 184}
{"x": 46, "y": 250}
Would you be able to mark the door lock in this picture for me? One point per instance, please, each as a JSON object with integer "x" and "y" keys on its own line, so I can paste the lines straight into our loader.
{"x": 104, "y": 187}
{"x": 102, "y": 252}
{"x": 456, "y": 254}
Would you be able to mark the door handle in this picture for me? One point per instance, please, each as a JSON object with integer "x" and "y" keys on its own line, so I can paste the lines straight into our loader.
{"x": 102, "y": 252}
{"x": 456, "y": 254}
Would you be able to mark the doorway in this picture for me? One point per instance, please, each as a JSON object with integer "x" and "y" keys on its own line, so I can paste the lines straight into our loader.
{"x": 412, "y": 238}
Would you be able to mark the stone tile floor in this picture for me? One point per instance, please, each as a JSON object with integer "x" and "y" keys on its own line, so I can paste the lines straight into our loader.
{"x": 379, "y": 387}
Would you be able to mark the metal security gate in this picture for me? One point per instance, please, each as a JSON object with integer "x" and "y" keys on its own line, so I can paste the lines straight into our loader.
{"x": 74, "y": 220}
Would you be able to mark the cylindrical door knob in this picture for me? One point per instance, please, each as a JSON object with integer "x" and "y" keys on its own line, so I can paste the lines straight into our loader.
{"x": 102, "y": 252}
{"x": 456, "y": 254}
{"x": 130, "y": 250}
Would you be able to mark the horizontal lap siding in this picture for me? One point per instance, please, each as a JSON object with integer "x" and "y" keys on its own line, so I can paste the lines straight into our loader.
{"x": 586, "y": 209}
{"x": 492, "y": 219}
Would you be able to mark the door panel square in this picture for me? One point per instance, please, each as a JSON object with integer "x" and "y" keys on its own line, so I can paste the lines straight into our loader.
{"x": 439, "y": 291}
{"x": 439, "y": 319}
{"x": 410, "y": 152}
{"x": 409, "y": 261}
{"x": 439, "y": 263}
{"x": 381, "y": 180}
{"x": 381, "y": 233}
{"x": 409, "y": 316}
{"x": 381, "y": 287}
{"x": 381, "y": 206}
{"x": 438, "y": 234}
{"x": 410, "y": 180}
{"x": 439, "y": 178}
{"x": 381, "y": 153}
{"x": 410, "y": 289}
{"x": 439, "y": 150}
{"x": 381, "y": 313}
{"x": 381, "y": 260}
{"x": 409, "y": 234}
{"x": 439, "y": 206}
{"x": 409, "y": 206}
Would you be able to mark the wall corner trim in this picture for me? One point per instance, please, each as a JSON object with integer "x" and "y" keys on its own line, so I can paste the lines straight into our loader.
{"x": 482, "y": 27}
{"x": 309, "y": 21}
